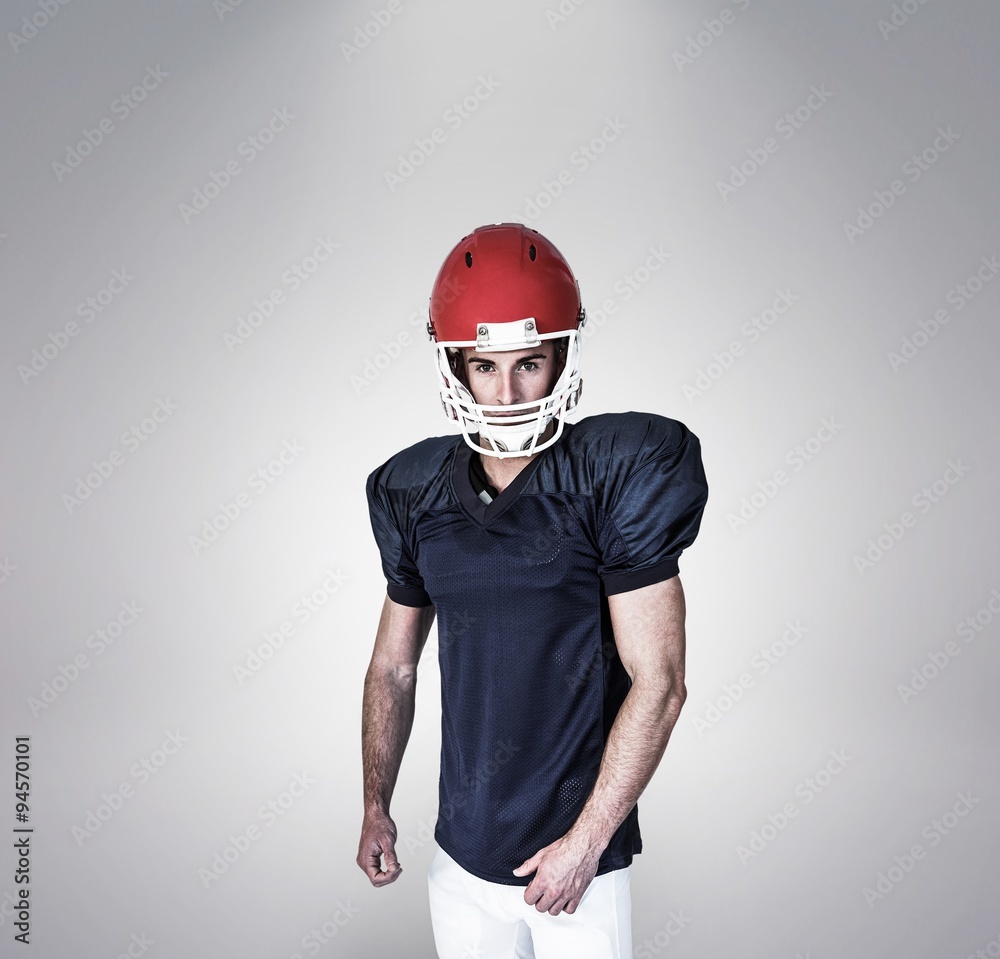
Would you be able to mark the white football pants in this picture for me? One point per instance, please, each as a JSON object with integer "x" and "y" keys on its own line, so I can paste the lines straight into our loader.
{"x": 476, "y": 919}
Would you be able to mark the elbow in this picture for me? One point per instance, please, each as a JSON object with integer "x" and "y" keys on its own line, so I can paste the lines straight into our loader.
{"x": 674, "y": 699}
{"x": 666, "y": 694}
{"x": 403, "y": 676}
{"x": 400, "y": 677}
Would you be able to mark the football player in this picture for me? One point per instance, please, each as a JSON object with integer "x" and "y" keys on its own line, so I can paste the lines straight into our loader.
{"x": 548, "y": 552}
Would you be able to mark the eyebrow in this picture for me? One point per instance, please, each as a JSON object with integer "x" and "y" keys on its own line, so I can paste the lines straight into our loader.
{"x": 523, "y": 359}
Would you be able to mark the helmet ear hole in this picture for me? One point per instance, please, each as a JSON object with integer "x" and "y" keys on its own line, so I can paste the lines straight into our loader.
{"x": 468, "y": 259}
{"x": 457, "y": 367}
{"x": 532, "y": 252}
{"x": 560, "y": 356}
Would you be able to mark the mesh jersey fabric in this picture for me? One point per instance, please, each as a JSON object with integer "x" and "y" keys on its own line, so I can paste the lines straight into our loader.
{"x": 531, "y": 680}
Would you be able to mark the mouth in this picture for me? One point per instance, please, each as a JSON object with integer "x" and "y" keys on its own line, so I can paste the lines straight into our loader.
{"x": 497, "y": 413}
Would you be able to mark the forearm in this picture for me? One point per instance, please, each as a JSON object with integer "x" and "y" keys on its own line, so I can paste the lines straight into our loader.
{"x": 386, "y": 721}
{"x": 634, "y": 748}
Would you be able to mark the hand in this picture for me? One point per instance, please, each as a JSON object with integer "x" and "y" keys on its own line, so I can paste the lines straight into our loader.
{"x": 563, "y": 871}
{"x": 378, "y": 838}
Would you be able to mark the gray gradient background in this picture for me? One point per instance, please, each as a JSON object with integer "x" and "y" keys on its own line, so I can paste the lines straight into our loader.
{"x": 655, "y": 184}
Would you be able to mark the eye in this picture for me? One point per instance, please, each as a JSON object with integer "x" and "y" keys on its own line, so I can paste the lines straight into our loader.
{"x": 530, "y": 366}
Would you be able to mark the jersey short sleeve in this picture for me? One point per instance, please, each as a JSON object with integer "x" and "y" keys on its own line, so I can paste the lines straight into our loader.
{"x": 404, "y": 583}
{"x": 653, "y": 508}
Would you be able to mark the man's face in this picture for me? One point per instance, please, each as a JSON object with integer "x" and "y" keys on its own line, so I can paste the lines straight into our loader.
{"x": 507, "y": 377}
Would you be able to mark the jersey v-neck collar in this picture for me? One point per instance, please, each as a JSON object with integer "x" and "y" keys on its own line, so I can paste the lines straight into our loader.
{"x": 481, "y": 483}
{"x": 462, "y": 483}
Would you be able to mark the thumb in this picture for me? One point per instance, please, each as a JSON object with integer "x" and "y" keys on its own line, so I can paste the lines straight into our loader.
{"x": 391, "y": 862}
{"x": 529, "y": 865}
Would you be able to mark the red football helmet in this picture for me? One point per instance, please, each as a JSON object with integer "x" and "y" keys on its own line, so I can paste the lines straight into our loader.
{"x": 505, "y": 287}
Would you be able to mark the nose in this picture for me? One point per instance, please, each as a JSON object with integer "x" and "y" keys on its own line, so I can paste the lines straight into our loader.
{"x": 506, "y": 393}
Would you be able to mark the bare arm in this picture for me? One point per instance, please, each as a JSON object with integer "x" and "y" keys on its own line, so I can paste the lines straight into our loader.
{"x": 386, "y": 721}
{"x": 649, "y": 632}
{"x": 648, "y": 625}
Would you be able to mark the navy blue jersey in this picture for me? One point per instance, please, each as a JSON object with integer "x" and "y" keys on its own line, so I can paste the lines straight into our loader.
{"x": 531, "y": 680}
